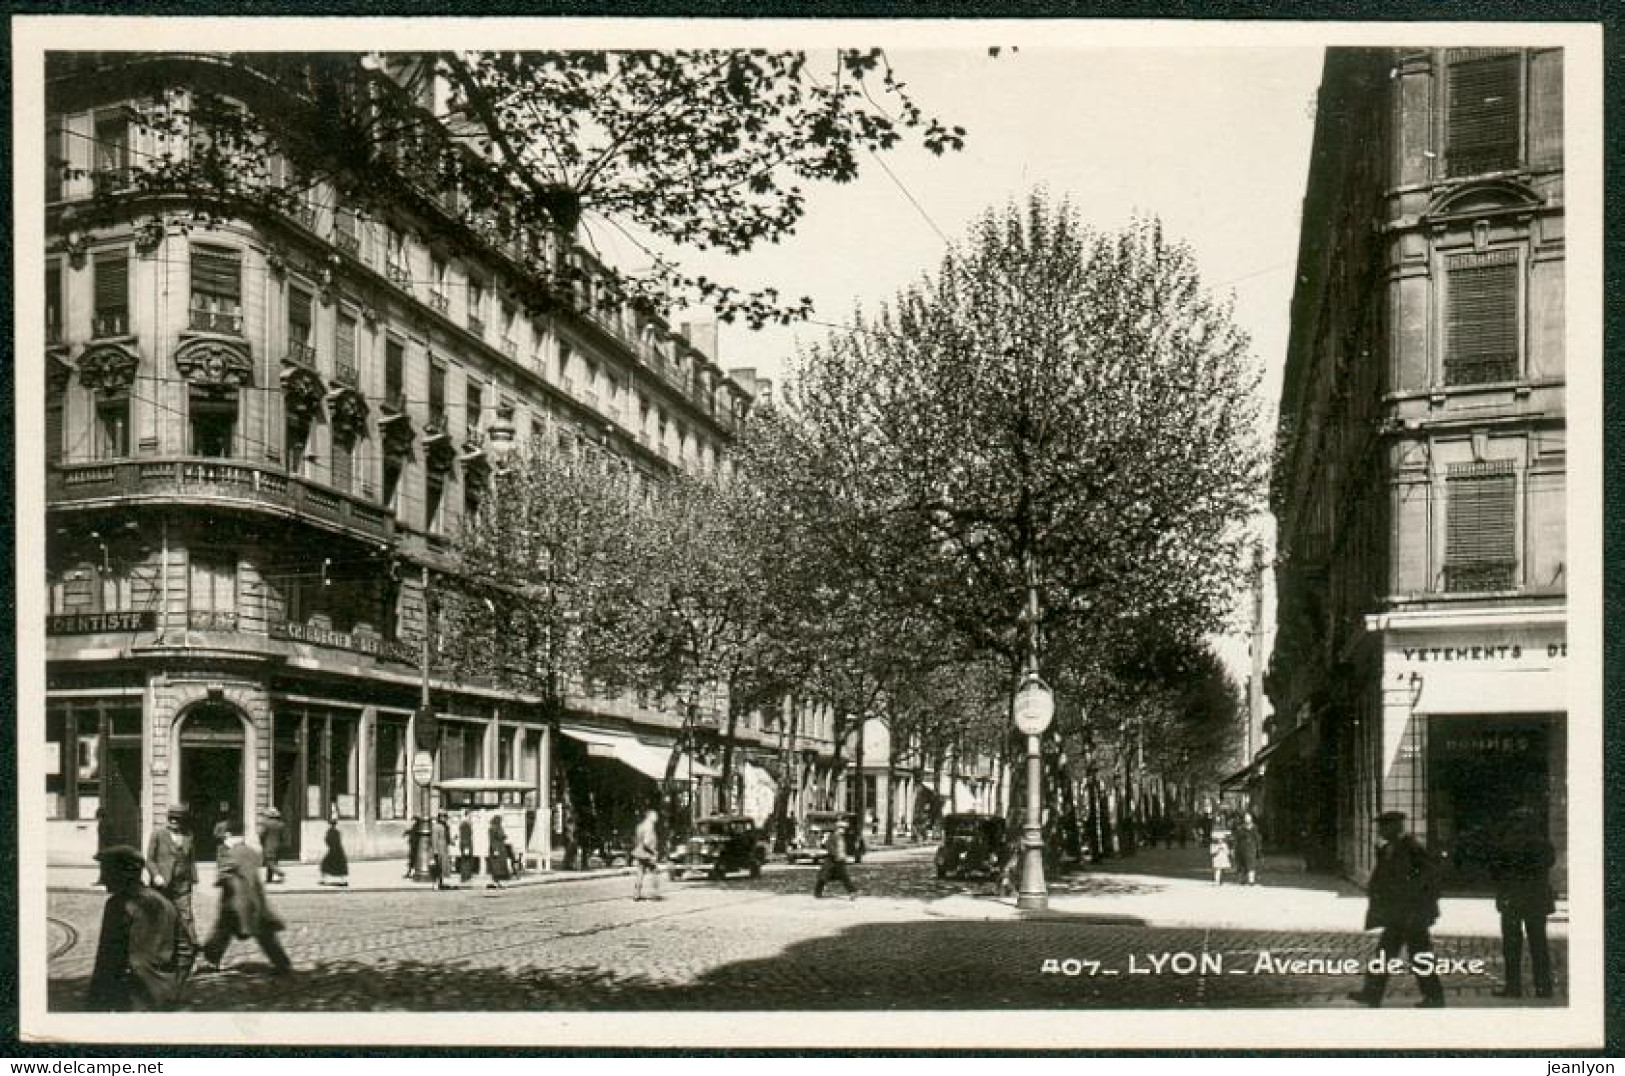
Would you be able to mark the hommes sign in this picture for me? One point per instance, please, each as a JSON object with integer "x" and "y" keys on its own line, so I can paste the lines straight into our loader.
{"x": 371, "y": 645}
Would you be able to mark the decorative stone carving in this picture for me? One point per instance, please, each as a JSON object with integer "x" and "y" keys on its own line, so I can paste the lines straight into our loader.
{"x": 215, "y": 362}
{"x": 149, "y": 235}
{"x": 58, "y": 369}
{"x": 276, "y": 260}
{"x": 398, "y": 433}
{"x": 476, "y": 469}
{"x": 347, "y": 412}
{"x": 109, "y": 367}
{"x": 1484, "y": 198}
{"x": 302, "y": 391}
{"x": 438, "y": 451}
{"x": 369, "y": 313}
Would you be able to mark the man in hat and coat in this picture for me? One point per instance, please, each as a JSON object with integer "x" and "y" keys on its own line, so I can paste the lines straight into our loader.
{"x": 1521, "y": 864}
{"x": 271, "y": 843}
{"x": 244, "y": 911}
{"x": 172, "y": 866}
{"x": 140, "y": 963}
{"x": 1404, "y": 903}
{"x": 440, "y": 850}
{"x": 833, "y": 868}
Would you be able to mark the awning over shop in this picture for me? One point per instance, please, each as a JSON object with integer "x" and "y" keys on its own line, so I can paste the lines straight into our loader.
{"x": 1462, "y": 691}
{"x": 647, "y": 759}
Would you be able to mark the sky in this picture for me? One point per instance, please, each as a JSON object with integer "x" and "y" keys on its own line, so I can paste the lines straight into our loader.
{"x": 1214, "y": 141}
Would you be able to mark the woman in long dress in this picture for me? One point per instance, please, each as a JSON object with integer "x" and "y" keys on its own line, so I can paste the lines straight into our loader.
{"x": 496, "y": 855}
{"x": 335, "y": 864}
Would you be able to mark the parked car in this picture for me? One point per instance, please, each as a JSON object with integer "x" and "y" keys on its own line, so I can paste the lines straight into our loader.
{"x": 809, "y": 846}
{"x": 972, "y": 844}
{"x": 720, "y": 844}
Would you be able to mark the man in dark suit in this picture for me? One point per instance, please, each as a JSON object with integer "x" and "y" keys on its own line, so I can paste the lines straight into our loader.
{"x": 1521, "y": 865}
{"x": 139, "y": 966}
{"x": 172, "y": 867}
{"x": 244, "y": 911}
{"x": 1404, "y": 902}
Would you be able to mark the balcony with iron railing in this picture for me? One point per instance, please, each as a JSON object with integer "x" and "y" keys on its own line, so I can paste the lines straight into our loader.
{"x": 229, "y": 322}
{"x": 476, "y": 325}
{"x": 440, "y": 301}
{"x": 1480, "y": 576}
{"x": 510, "y": 347}
{"x": 399, "y": 275}
{"x": 211, "y": 620}
{"x": 347, "y": 243}
{"x": 347, "y": 375}
{"x": 110, "y": 323}
{"x": 301, "y": 354}
{"x": 240, "y": 483}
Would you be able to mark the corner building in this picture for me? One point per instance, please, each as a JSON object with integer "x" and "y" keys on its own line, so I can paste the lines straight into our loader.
{"x": 1420, "y": 485}
{"x": 262, "y": 433}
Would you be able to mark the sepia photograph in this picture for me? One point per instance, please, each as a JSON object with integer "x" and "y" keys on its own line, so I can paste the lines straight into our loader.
{"x": 827, "y": 534}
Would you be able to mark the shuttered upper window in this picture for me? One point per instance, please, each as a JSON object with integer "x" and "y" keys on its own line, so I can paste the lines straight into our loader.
{"x": 300, "y": 347}
{"x": 112, "y": 288}
{"x": 1481, "y": 318}
{"x": 344, "y": 343}
{"x": 1480, "y": 526}
{"x": 1484, "y": 129}
{"x": 217, "y": 289}
{"x": 395, "y": 374}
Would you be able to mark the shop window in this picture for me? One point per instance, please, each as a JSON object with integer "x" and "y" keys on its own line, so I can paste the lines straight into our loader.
{"x": 1483, "y": 130}
{"x": 112, "y": 427}
{"x": 1480, "y": 523}
{"x": 111, "y": 289}
{"x": 389, "y": 769}
{"x": 1481, "y": 318}
{"x": 217, "y": 290}
{"x": 213, "y": 422}
{"x": 92, "y": 766}
{"x": 330, "y": 741}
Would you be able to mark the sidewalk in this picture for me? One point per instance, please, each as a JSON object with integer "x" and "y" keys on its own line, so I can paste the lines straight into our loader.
{"x": 366, "y": 876}
{"x": 1174, "y": 888}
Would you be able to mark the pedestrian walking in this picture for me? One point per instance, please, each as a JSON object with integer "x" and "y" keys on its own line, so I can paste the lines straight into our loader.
{"x": 1521, "y": 865}
{"x": 173, "y": 870}
{"x": 439, "y": 850}
{"x": 414, "y": 840}
{"x": 244, "y": 911}
{"x": 335, "y": 864}
{"x": 833, "y": 868}
{"x": 270, "y": 834}
{"x": 466, "y": 863}
{"x": 497, "y": 861}
{"x": 1247, "y": 841}
{"x": 142, "y": 956}
{"x": 646, "y": 856}
{"x": 1404, "y": 892}
{"x": 1218, "y": 853}
{"x": 220, "y": 833}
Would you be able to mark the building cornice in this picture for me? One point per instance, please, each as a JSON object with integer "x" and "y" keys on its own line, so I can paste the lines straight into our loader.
{"x": 1502, "y": 616}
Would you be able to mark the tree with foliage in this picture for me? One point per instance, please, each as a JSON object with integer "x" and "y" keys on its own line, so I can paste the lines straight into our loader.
{"x": 680, "y": 149}
{"x": 1057, "y": 406}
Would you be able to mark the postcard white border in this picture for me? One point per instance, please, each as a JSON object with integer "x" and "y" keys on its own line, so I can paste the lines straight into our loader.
{"x": 1579, "y": 1025}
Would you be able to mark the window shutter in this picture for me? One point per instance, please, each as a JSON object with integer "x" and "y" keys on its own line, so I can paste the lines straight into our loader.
{"x": 1480, "y": 529}
{"x": 343, "y": 465}
{"x": 345, "y": 343}
{"x": 299, "y": 307}
{"x": 53, "y": 430}
{"x": 1481, "y": 331}
{"x": 1484, "y": 105}
{"x": 217, "y": 272}
{"x": 112, "y": 283}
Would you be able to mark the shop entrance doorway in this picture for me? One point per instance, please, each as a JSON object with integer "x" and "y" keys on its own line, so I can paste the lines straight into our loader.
{"x": 1481, "y": 770}
{"x": 212, "y": 744}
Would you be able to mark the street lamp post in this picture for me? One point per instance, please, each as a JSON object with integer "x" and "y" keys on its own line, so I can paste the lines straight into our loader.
{"x": 1033, "y": 709}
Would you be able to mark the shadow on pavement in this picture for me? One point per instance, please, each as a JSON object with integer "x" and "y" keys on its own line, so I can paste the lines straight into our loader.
{"x": 919, "y": 965}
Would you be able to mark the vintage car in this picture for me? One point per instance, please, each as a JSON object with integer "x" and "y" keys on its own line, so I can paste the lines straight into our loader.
{"x": 809, "y": 846}
{"x": 972, "y": 844}
{"x": 720, "y": 844}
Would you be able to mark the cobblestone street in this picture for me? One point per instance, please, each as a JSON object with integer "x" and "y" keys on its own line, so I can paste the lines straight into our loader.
{"x": 744, "y": 944}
